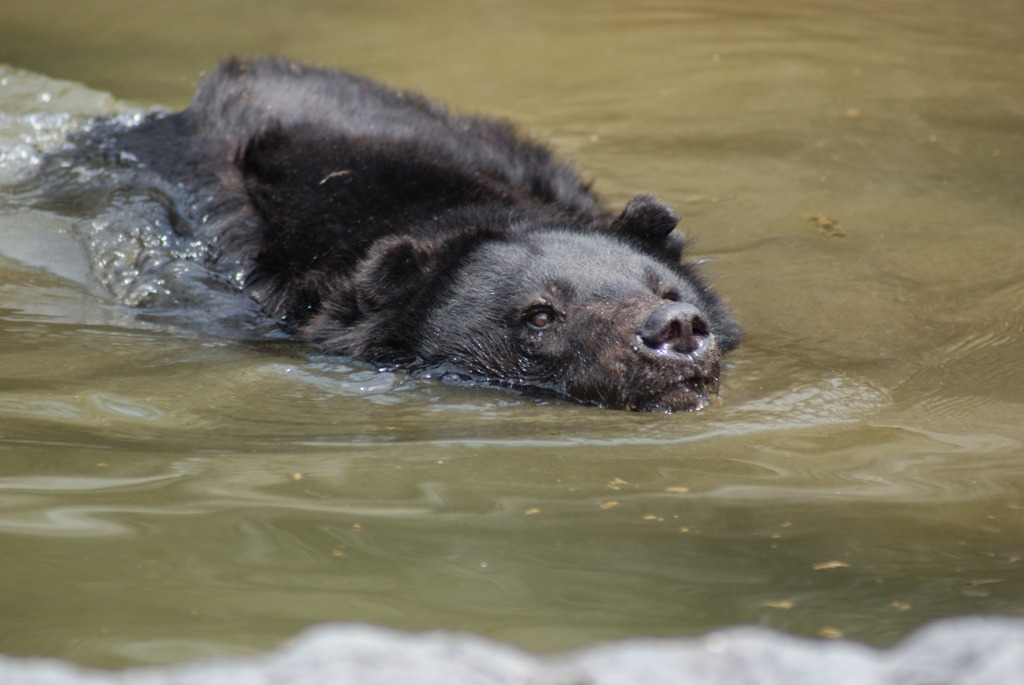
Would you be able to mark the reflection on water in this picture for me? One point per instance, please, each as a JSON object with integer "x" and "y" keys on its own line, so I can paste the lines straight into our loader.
{"x": 176, "y": 483}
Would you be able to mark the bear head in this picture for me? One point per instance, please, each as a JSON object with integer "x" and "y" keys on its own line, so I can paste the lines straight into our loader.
{"x": 606, "y": 318}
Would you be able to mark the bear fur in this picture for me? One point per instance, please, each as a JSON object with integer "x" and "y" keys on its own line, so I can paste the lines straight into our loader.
{"x": 377, "y": 225}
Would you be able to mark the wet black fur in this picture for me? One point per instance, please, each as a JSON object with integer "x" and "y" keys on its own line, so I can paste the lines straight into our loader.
{"x": 376, "y": 224}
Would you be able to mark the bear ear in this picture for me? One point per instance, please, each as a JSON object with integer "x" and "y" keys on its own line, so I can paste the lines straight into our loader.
{"x": 394, "y": 272}
{"x": 649, "y": 223}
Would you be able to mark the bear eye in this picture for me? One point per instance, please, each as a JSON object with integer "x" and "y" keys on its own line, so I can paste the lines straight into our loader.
{"x": 540, "y": 318}
{"x": 671, "y": 294}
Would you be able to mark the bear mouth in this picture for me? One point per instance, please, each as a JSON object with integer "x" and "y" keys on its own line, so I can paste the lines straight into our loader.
{"x": 688, "y": 395}
{"x": 647, "y": 390}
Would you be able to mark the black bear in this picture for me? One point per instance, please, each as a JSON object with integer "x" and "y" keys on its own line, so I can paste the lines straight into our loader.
{"x": 377, "y": 225}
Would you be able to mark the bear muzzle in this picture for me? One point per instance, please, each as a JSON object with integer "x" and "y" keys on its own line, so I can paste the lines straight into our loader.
{"x": 654, "y": 357}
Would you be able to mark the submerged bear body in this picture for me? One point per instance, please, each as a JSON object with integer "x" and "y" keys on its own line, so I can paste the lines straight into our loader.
{"x": 377, "y": 225}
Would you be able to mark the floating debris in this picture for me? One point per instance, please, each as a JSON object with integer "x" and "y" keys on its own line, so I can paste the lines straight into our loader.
{"x": 828, "y": 226}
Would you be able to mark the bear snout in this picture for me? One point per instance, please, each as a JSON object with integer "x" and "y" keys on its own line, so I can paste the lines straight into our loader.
{"x": 643, "y": 355}
{"x": 676, "y": 328}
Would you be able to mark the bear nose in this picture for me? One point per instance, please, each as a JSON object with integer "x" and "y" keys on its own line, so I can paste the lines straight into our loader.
{"x": 676, "y": 327}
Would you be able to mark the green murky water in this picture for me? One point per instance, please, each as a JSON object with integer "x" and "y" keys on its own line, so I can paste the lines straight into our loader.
{"x": 167, "y": 493}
